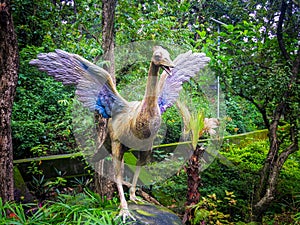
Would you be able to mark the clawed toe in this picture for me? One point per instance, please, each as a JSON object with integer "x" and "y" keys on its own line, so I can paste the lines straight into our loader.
{"x": 136, "y": 200}
{"x": 125, "y": 215}
{"x": 133, "y": 198}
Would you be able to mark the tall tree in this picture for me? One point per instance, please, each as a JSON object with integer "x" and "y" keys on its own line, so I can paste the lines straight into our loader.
{"x": 108, "y": 33}
{"x": 285, "y": 107}
{"x": 104, "y": 181}
{"x": 259, "y": 60}
{"x": 9, "y": 62}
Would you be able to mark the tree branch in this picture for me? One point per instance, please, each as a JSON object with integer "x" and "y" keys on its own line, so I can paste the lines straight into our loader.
{"x": 280, "y": 32}
{"x": 296, "y": 65}
{"x": 88, "y": 32}
{"x": 250, "y": 63}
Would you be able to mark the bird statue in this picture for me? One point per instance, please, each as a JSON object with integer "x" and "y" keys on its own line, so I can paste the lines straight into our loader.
{"x": 130, "y": 124}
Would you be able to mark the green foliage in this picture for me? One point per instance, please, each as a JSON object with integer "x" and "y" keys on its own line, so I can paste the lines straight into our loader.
{"x": 42, "y": 112}
{"x": 242, "y": 116}
{"x": 258, "y": 68}
{"x": 40, "y": 123}
{"x": 297, "y": 215}
{"x": 290, "y": 170}
{"x": 248, "y": 61}
{"x": 33, "y": 20}
{"x": 250, "y": 158}
{"x": 218, "y": 178}
{"x": 206, "y": 211}
{"x": 43, "y": 188}
{"x": 171, "y": 192}
{"x": 238, "y": 172}
{"x": 173, "y": 123}
{"x": 85, "y": 208}
{"x": 160, "y": 21}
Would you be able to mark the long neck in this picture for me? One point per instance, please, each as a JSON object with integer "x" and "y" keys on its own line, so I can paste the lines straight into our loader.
{"x": 147, "y": 121}
{"x": 151, "y": 89}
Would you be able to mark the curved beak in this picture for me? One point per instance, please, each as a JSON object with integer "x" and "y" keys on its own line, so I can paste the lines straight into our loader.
{"x": 168, "y": 67}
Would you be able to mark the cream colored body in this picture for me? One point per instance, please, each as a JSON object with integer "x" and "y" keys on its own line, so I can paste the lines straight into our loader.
{"x": 123, "y": 127}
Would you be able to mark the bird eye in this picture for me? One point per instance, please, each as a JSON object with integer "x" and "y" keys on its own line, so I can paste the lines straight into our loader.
{"x": 157, "y": 57}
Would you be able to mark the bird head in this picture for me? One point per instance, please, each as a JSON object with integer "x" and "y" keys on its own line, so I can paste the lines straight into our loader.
{"x": 161, "y": 58}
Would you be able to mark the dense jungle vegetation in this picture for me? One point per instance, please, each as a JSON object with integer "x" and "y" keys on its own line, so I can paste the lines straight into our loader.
{"x": 245, "y": 53}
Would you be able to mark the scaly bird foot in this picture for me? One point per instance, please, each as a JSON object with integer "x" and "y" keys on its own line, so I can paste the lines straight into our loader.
{"x": 125, "y": 214}
{"x": 136, "y": 200}
{"x": 132, "y": 195}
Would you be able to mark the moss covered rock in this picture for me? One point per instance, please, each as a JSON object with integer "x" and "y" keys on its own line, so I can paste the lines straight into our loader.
{"x": 21, "y": 191}
{"x": 149, "y": 214}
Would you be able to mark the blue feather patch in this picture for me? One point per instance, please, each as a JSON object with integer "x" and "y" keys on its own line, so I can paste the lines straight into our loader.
{"x": 162, "y": 103}
{"x": 84, "y": 66}
{"x": 101, "y": 109}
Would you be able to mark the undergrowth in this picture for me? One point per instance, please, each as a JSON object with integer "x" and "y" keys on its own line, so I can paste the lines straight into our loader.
{"x": 82, "y": 209}
{"x": 236, "y": 173}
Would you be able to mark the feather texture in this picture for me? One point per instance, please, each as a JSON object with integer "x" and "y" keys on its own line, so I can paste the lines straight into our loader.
{"x": 94, "y": 86}
{"x": 187, "y": 65}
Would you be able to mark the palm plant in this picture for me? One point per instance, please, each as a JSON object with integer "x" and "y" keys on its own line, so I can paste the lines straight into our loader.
{"x": 195, "y": 125}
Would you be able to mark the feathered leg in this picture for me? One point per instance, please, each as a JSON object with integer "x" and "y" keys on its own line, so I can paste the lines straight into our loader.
{"x": 143, "y": 157}
{"x": 134, "y": 182}
{"x": 117, "y": 154}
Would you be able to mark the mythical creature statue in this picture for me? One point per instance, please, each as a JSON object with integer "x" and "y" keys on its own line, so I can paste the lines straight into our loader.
{"x": 131, "y": 124}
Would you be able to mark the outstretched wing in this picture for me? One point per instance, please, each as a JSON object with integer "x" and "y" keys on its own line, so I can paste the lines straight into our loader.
{"x": 187, "y": 65}
{"x": 94, "y": 85}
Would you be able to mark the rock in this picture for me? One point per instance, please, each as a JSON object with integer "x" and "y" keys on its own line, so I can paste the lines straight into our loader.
{"x": 149, "y": 214}
{"x": 21, "y": 192}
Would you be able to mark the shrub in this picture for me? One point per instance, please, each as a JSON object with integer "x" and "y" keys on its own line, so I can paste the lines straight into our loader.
{"x": 84, "y": 208}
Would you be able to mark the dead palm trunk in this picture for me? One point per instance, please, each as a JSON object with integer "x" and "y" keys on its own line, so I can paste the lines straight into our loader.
{"x": 192, "y": 170}
{"x": 195, "y": 125}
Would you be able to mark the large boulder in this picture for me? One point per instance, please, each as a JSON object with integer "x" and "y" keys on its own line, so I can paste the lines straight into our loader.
{"x": 149, "y": 214}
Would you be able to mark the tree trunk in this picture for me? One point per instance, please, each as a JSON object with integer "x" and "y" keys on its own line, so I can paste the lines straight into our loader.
{"x": 104, "y": 182}
{"x": 104, "y": 172}
{"x": 193, "y": 182}
{"x": 9, "y": 63}
{"x": 266, "y": 189}
{"x": 108, "y": 34}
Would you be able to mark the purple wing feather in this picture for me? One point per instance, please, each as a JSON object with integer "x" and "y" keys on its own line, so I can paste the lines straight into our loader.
{"x": 187, "y": 66}
{"x": 94, "y": 86}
